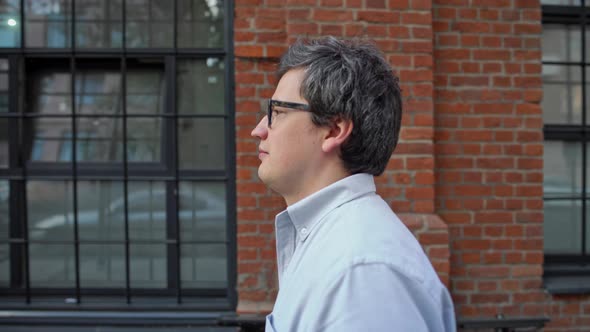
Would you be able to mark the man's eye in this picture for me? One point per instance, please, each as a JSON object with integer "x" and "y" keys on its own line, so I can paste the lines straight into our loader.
{"x": 276, "y": 112}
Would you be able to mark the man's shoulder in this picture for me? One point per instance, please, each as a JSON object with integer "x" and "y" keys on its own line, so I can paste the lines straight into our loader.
{"x": 367, "y": 231}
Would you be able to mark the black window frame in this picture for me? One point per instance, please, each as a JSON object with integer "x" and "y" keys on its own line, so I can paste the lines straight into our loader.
{"x": 214, "y": 299}
{"x": 570, "y": 273}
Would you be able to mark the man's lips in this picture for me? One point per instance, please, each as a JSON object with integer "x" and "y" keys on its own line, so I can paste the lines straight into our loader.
{"x": 261, "y": 153}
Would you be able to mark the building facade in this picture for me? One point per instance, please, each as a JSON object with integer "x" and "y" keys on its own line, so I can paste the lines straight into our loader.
{"x": 128, "y": 175}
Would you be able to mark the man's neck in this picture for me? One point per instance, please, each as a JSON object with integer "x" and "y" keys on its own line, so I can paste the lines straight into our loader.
{"x": 314, "y": 184}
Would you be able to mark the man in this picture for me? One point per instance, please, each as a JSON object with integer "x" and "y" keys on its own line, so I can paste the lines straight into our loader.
{"x": 346, "y": 262}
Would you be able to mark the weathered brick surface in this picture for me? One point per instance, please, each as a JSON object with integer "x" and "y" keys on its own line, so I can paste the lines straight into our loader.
{"x": 403, "y": 31}
{"x": 466, "y": 177}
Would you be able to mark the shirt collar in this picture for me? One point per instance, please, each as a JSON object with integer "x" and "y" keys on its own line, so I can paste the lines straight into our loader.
{"x": 306, "y": 213}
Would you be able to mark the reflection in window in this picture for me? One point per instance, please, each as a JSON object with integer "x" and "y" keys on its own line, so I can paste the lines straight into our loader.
{"x": 50, "y": 210}
{"x": 144, "y": 139}
{"x": 203, "y": 265}
{"x": 150, "y": 23}
{"x": 4, "y": 150}
{"x": 102, "y": 265}
{"x": 100, "y": 210}
{"x": 201, "y": 142}
{"x": 99, "y": 23}
{"x": 4, "y": 232}
{"x": 148, "y": 266}
{"x": 201, "y": 86}
{"x": 50, "y": 92}
{"x": 49, "y": 139}
{"x": 52, "y": 265}
{"x": 47, "y": 23}
{"x": 147, "y": 210}
{"x": 145, "y": 89}
{"x": 4, "y": 264}
{"x": 4, "y": 85}
{"x": 98, "y": 92}
{"x": 4, "y": 209}
{"x": 562, "y": 169}
{"x": 564, "y": 84}
{"x": 9, "y": 23}
{"x": 562, "y": 226}
{"x": 202, "y": 211}
{"x": 200, "y": 23}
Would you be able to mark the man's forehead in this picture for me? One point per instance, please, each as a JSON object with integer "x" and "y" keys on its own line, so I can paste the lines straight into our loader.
{"x": 289, "y": 86}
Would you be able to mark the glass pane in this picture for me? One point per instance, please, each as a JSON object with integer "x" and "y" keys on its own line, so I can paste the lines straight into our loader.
{"x": 203, "y": 265}
{"x": 201, "y": 86}
{"x": 147, "y": 210}
{"x": 148, "y": 265}
{"x": 4, "y": 150}
{"x": 145, "y": 91}
{"x": 4, "y": 103}
{"x": 4, "y": 209}
{"x": 99, "y": 23}
{"x": 201, "y": 143}
{"x": 9, "y": 23}
{"x": 52, "y": 265}
{"x": 50, "y": 139}
{"x": 102, "y": 265}
{"x": 50, "y": 210}
{"x": 99, "y": 140}
{"x": 98, "y": 92}
{"x": 202, "y": 211}
{"x": 100, "y": 210}
{"x": 149, "y": 23}
{"x": 144, "y": 138}
{"x": 562, "y": 101}
{"x": 48, "y": 23}
{"x": 561, "y": 43}
{"x": 562, "y": 169}
{"x": 51, "y": 93}
{"x": 200, "y": 23}
{"x": 4, "y": 265}
{"x": 563, "y": 226}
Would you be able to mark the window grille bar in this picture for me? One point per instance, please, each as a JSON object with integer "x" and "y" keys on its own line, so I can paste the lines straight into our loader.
{"x": 23, "y": 189}
{"x": 125, "y": 161}
{"x": 231, "y": 252}
{"x": 583, "y": 20}
{"x": 174, "y": 111}
{"x": 74, "y": 152}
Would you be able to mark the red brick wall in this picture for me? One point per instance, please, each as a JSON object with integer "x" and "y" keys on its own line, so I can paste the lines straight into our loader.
{"x": 467, "y": 175}
{"x": 489, "y": 153}
{"x": 403, "y": 30}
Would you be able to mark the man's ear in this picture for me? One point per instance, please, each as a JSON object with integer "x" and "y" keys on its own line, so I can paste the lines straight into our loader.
{"x": 338, "y": 131}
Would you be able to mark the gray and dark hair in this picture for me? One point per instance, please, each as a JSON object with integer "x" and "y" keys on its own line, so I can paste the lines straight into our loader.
{"x": 350, "y": 79}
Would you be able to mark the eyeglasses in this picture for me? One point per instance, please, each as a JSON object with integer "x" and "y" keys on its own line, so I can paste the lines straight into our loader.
{"x": 272, "y": 103}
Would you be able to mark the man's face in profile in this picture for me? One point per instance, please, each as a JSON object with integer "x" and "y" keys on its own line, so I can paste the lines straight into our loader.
{"x": 291, "y": 146}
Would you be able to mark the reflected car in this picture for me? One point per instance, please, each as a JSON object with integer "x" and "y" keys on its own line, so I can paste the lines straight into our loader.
{"x": 201, "y": 218}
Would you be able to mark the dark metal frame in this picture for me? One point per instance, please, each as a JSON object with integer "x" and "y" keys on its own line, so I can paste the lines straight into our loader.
{"x": 20, "y": 170}
{"x": 560, "y": 265}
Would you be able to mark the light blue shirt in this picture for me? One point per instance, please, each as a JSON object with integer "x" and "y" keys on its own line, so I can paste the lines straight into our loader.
{"x": 347, "y": 263}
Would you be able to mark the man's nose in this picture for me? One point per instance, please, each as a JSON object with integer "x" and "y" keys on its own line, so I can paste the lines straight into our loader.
{"x": 261, "y": 129}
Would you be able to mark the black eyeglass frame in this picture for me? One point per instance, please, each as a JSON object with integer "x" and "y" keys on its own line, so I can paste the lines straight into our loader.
{"x": 285, "y": 104}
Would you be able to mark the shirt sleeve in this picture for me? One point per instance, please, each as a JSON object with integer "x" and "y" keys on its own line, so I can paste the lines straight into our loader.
{"x": 376, "y": 297}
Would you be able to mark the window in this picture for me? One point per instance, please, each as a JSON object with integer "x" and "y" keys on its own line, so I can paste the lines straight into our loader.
{"x": 566, "y": 77}
{"x": 116, "y": 178}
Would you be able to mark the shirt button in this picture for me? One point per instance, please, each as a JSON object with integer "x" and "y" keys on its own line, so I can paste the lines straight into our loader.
{"x": 304, "y": 231}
